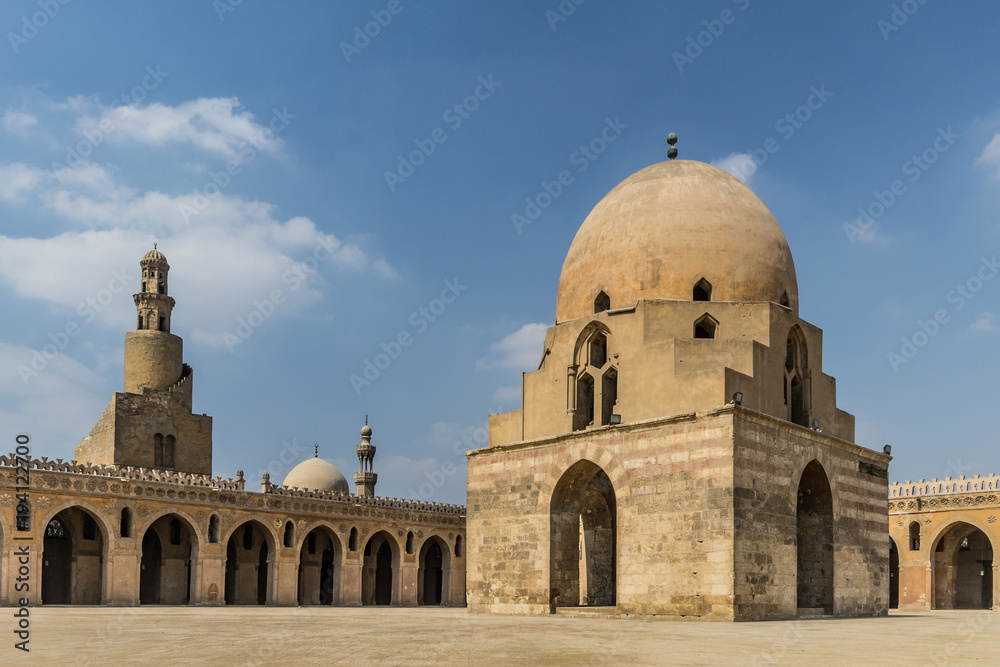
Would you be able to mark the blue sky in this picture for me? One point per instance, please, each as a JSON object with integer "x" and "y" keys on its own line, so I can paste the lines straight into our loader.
{"x": 125, "y": 125}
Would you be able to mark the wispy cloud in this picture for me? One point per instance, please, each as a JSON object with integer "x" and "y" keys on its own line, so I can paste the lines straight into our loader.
{"x": 18, "y": 122}
{"x": 987, "y": 323}
{"x": 740, "y": 165}
{"x": 521, "y": 350}
{"x": 990, "y": 156}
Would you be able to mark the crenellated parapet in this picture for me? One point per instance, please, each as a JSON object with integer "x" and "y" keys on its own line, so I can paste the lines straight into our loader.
{"x": 946, "y": 486}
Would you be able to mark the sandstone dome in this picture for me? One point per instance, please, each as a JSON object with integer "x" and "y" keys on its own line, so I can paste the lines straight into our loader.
{"x": 665, "y": 228}
{"x": 154, "y": 256}
{"x": 315, "y": 474}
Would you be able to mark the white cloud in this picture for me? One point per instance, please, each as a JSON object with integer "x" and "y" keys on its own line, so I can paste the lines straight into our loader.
{"x": 18, "y": 122}
{"x": 521, "y": 350}
{"x": 990, "y": 156}
{"x": 215, "y": 125}
{"x": 870, "y": 237}
{"x": 16, "y": 179}
{"x": 987, "y": 323}
{"x": 120, "y": 224}
{"x": 740, "y": 165}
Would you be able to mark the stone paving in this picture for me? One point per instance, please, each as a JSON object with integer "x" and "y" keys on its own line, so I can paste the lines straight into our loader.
{"x": 425, "y": 636}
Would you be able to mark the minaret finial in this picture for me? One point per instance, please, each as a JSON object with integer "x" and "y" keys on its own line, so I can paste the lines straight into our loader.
{"x": 366, "y": 420}
{"x": 672, "y": 151}
{"x": 154, "y": 246}
{"x": 317, "y": 451}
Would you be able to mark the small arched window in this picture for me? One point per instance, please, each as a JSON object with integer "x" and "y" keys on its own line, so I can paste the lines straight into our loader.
{"x": 602, "y": 302}
{"x": 409, "y": 542}
{"x": 785, "y": 300}
{"x": 458, "y": 547}
{"x": 125, "y": 523}
{"x": 914, "y": 536}
{"x": 248, "y": 537}
{"x": 352, "y": 543}
{"x": 213, "y": 529}
{"x": 702, "y": 291}
{"x": 705, "y": 327}
{"x": 289, "y": 534}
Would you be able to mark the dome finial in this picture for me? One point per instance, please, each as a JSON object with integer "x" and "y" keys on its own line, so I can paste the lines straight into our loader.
{"x": 154, "y": 246}
{"x": 672, "y": 151}
{"x": 317, "y": 451}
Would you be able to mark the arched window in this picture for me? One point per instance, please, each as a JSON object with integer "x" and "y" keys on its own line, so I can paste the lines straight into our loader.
{"x": 593, "y": 379}
{"x": 248, "y": 537}
{"x": 458, "y": 547}
{"x": 162, "y": 322}
{"x": 158, "y": 450}
{"x": 352, "y": 543}
{"x": 168, "y": 451}
{"x": 797, "y": 394}
{"x": 705, "y": 327}
{"x": 602, "y": 302}
{"x": 289, "y": 534}
{"x": 702, "y": 291}
{"x": 213, "y": 529}
{"x": 785, "y": 300}
{"x": 89, "y": 527}
{"x": 125, "y": 523}
{"x": 139, "y": 323}
{"x": 409, "y": 542}
{"x": 914, "y": 536}
{"x": 175, "y": 531}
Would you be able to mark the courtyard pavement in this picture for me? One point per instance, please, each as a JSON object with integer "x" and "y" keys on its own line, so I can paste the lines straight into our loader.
{"x": 438, "y": 636}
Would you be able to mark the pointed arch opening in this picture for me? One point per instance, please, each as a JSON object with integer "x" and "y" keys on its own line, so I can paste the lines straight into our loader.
{"x": 814, "y": 542}
{"x": 125, "y": 523}
{"x": 962, "y": 566}
{"x": 702, "y": 291}
{"x": 249, "y": 565}
{"x": 320, "y": 560}
{"x": 893, "y": 575}
{"x": 73, "y": 558}
{"x": 706, "y": 326}
{"x": 797, "y": 377}
{"x": 433, "y": 572}
{"x": 583, "y": 538}
{"x": 380, "y": 570}
{"x": 914, "y": 536}
{"x": 602, "y": 302}
{"x": 169, "y": 548}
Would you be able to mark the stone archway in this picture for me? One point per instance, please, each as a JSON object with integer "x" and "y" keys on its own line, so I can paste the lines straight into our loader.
{"x": 380, "y": 571}
{"x": 249, "y": 565}
{"x": 893, "y": 575}
{"x": 73, "y": 558}
{"x": 962, "y": 568}
{"x": 814, "y": 542}
{"x": 169, "y": 546}
{"x": 583, "y": 538}
{"x": 434, "y": 568}
{"x": 319, "y": 568}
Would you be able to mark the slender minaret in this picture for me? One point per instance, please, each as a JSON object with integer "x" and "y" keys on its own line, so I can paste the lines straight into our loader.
{"x": 153, "y": 356}
{"x": 365, "y": 478}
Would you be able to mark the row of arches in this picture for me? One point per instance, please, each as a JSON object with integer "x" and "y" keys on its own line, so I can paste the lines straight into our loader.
{"x": 74, "y": 557}
{"x": 961, "y": 567}
{"x": 584, "y": 539}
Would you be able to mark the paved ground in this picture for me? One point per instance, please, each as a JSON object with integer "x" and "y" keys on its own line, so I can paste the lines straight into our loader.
{"x": 391, "y": 636}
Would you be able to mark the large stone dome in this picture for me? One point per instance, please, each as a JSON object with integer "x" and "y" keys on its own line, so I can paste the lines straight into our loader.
{"x": 666, "y": 227}
{"x": 315, "y": 474}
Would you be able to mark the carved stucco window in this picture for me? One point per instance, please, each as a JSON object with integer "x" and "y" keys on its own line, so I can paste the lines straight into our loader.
{"x": 593, "y": 379}
{"x": 798, "y": 397}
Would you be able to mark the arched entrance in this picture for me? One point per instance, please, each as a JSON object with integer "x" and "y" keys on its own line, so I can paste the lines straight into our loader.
{"x": 583, "y": 538}
{"x": 814, "y": 542}
{"x": 893, "y": 575}
{"x": 432, "y": 579}
{"x": 963, "y": 569}
{"x": 168, "y": 548}
{"x": 380, "y": 571}
{"x": 73, "y": 558}
{"x": 249, "y": 561}
{"x": 319, "y": 568}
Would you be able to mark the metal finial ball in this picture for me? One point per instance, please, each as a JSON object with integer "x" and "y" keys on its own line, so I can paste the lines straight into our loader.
{"x": 672, "y": 152}
{"x": 671, "y": 138}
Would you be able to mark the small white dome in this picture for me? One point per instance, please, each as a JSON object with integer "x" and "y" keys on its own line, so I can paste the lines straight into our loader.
{"x": 315, "y": 474}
